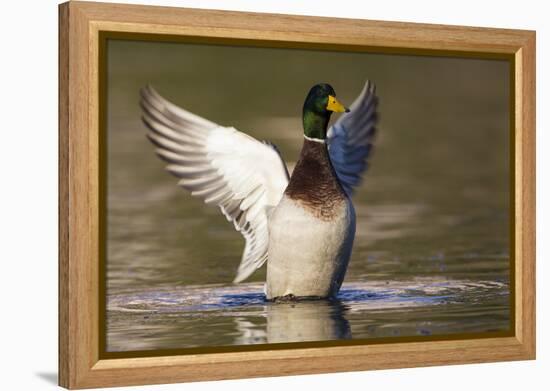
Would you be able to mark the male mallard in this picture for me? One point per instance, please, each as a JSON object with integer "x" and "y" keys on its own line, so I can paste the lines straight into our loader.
{"x": 304, "y": 225}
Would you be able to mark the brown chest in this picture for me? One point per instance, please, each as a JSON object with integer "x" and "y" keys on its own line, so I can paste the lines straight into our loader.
{"x": 314, "y": 183}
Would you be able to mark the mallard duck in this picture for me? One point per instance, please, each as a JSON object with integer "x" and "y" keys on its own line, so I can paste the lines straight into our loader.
{"x": 302, "y": 225}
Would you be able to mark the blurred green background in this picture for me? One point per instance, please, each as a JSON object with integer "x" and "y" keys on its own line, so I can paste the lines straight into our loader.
{"x": 435, "y": 199}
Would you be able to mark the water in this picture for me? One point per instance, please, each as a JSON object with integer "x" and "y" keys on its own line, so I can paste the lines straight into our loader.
{"x": 431, "y": 255}
{"x": 206, "y": 316}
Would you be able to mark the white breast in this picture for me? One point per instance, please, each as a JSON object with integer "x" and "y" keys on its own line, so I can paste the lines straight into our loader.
{"x": 308, "y": 256}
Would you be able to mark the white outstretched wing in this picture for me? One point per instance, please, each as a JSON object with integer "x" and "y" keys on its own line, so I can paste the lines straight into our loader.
{"x": 350, "y": 138}
{"x": 243, "y": 176}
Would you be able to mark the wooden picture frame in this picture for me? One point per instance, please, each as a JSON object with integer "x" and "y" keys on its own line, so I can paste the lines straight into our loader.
{"x": 81, "y": 25}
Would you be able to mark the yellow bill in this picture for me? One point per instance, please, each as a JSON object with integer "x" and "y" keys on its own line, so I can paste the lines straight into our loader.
{"x": 335, "y": 106}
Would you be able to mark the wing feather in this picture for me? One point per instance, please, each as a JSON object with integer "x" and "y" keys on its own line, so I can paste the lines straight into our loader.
{"x": 350, "y": 138}
{"x": 244, "y": 177}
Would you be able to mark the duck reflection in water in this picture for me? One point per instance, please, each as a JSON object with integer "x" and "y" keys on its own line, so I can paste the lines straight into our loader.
{"x": 298, "y": 321}
{"x": 307, "y": 320}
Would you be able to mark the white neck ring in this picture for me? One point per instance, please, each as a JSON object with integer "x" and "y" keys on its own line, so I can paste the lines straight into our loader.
{"x": 317, "y": 140}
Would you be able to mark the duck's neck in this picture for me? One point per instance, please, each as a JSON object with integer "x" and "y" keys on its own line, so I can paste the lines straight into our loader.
{"x": 315, "y": 124}
{"x": 314, "y": 149}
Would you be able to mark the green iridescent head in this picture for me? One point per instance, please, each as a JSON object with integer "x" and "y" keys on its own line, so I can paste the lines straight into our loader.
{"x": 320, "y": 103}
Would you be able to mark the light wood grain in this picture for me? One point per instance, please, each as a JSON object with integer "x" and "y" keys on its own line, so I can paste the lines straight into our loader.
{"x": 526, "y": 236}
{"x": 80, "y": 24}
{"x": 64, "y": 353}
